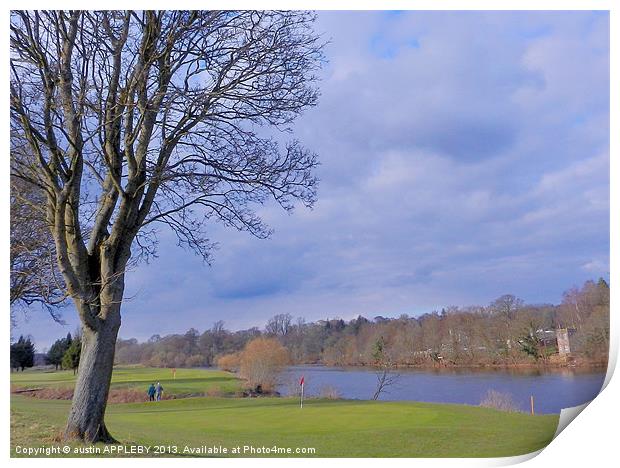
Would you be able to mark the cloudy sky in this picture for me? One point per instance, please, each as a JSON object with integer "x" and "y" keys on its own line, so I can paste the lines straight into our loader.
{"x": 464, "y": 155}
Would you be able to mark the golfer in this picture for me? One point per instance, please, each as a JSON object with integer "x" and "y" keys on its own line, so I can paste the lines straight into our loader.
{"x": 159, "y": 389}
{"x": 151, "y": 392}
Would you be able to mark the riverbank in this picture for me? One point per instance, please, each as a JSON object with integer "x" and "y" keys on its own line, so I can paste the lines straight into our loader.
{"x": 580, "y": 363}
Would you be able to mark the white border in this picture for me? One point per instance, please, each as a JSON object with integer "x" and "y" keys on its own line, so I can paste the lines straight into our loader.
{"x": 591, "y": 440}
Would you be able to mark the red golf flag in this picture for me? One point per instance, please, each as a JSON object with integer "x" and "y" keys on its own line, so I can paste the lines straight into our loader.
{"x": 301, "y": 382}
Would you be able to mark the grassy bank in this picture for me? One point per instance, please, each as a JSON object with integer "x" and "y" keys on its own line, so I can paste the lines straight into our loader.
{"x": 335, "y": 428}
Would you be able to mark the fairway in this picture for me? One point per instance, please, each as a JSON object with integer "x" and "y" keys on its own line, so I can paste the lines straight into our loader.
{"x": 331, "y": 428}
{"x": 187, "y": 382}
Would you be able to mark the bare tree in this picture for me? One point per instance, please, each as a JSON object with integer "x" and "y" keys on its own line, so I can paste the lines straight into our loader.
{"x": 158, "y": 118}
{"x": 571, "y": 306}
{"x": 386, "y": 369}
{"x": 279, "y": 325}
{"x": 506, "y": 306}
{"x": 386, "y": 377}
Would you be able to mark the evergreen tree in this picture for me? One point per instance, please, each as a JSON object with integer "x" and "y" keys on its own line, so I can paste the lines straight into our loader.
{"x": 58, "y": 350}
{"x": 22, "y": 353}
{"x": 71, "y": 358}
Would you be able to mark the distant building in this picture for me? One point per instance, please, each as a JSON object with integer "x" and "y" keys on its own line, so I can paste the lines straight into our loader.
{"x": 560, "y": 338}
{"x": 561, "y": 335}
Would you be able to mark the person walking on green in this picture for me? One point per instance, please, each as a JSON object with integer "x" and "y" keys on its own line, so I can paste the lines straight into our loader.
{"x": 151, "y": 392}
{"x": 159, "y": 389}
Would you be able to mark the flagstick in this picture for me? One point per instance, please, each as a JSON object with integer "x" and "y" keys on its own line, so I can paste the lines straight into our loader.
{"x": 301, "y": 400}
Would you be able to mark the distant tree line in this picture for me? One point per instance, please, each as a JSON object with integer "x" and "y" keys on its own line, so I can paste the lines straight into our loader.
{"x": 506, "y": 332}
{"x": 191, "y": 349}
{"x": 64, "y": 353}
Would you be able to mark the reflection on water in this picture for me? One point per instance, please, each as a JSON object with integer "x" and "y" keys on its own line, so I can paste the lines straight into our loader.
{"x": 553, "y": 389}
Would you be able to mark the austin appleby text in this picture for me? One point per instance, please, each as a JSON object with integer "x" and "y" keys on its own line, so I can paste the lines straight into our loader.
{"x": 114, "y": 450}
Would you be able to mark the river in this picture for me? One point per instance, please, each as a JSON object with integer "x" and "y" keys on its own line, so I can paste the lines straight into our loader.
{"x": 553, "y": 389}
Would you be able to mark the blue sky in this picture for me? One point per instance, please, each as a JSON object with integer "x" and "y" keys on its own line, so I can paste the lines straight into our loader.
{"x": 464, "y": 155}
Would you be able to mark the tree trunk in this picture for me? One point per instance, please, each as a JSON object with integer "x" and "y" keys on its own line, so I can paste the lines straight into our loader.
{"x": 86, "y": 419}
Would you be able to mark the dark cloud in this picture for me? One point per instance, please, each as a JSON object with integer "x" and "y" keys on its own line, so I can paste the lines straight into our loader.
{"x": 467, "y": 139}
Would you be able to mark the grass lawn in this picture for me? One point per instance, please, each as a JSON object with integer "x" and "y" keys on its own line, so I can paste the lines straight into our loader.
{"x": 334, "y": 428}
{"x": 187, "y": 381}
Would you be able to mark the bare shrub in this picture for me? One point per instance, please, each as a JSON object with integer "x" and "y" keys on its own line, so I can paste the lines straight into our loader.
{"x": 262, "y": 360}
{"x": 499, "y": 401}
{"x": 229, "y": 362}
{"x": 329, "y": 392}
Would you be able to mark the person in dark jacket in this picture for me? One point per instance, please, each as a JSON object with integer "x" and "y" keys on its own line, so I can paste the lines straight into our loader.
{"x": 151, "y": 392}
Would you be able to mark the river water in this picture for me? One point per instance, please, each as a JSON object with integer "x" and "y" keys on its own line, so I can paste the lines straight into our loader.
{"x": 552, "y": 389}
